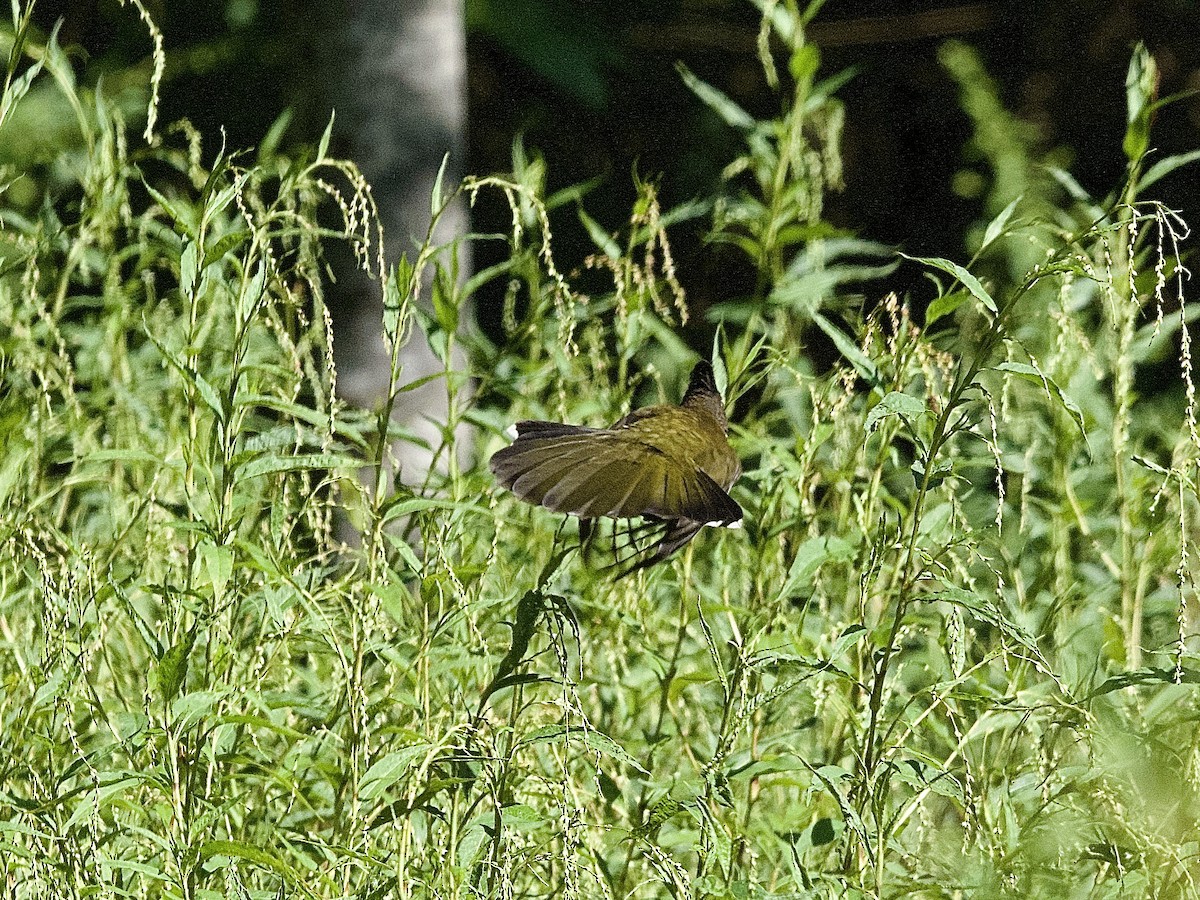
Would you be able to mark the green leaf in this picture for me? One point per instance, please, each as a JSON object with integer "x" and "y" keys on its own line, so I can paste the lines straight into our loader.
{"x": 218, "y": 564}
{"x": 271, "y": 463}
{"x": 836, "y": 781}
{"x": 572, "y": 193}
{"x": 19, "y": 86}
{"x": 389, "y": 769}
{"x": 188, "y": 270}
{"x": 123, "y": 455}
{"x": 944, "y": 305}
{"x": 248, "y": 852}
{"x": 849, "y": 349}
{"x": 1141, "y": 86}
{"x": 195, "y": 706}
{"x": 218, "y": 248}
{"x": 293, "y": 410}
{"x": 445, "y": 299}
{"x": 395, "y": 297}
{"x": 171, "y": 669}
{"x": 269, "y": 145}
{"x": 985, "y": 610}
{"x": 1138, "y": 677}
{"x": 715, "y": 100}
{"x": 521, "y": 817}
{"x": 436, "y": 202}
{"x": 720, "y": 372}
{"x": 713, "y": 652}
{"x": 1165, "y": 167}
{"x": 601, "y": 238}
{"x": 48, "y": 690}
{"x": 402, "y": 506}
{"x": 894, "y": 403}
{"x": 782, "y": 19}
{"x": 770, "y": 764}
{"x": 1029, "y": 373}
{"x": 590, "y": 737}
{"x": 206, "y": 391}
{"x": 323, "y": 145}
{"x": 530, "y": 609}
{"x": 810, "y": 556}
{"x": 850, "y": 636}
{"x": 996, "y": 227}
{"x": 969, "y": 281}
{"x": 217, "y": 203}
{"x": 471, "y": 846}
{"x": 483, "y": 276}
{"x": 182, "y": 218}
{"x": 940, "y": 781}
{"x": 252, "y": 293}
{"x": 1072, "y": 186}
{"x": 659, "y": 814}
{"x": 942, "y": 470}
{"x": 405, "y": 551}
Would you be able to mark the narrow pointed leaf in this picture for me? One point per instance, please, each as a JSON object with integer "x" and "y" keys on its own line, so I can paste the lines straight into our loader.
{"x": 969, "y": 281}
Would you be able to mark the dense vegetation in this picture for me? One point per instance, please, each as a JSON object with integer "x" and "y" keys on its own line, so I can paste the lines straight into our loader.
{"x": 245, "y": 651}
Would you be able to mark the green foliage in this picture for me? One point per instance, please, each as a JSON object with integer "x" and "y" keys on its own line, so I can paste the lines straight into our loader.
{"x": 951, "y": 653}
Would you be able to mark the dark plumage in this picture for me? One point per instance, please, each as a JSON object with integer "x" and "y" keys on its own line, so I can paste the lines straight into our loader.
{"x": 668, "y": 463}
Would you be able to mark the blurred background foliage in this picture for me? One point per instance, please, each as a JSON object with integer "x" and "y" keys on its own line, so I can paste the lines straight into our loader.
{"x": 1033, "y": 723}
{"x": 947, "y": 104}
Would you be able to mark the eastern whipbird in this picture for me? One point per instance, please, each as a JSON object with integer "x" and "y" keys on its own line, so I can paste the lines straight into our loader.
{"x": 668, "y": 464}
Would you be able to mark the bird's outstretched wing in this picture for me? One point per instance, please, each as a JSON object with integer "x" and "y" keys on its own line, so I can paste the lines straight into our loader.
{"x": 592, "y": 472}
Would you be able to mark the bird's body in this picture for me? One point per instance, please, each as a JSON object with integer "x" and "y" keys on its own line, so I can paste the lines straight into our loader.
{"x": 670, "y": 463}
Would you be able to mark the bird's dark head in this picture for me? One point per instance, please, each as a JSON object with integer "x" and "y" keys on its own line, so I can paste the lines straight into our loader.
{"x": 702, "y": 393}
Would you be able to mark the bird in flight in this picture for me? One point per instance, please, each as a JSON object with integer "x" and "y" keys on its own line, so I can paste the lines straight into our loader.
{"x": 670, "y": 464}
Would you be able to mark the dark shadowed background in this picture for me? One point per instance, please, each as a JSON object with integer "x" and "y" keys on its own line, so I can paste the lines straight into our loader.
{"x": 593, "y": 87}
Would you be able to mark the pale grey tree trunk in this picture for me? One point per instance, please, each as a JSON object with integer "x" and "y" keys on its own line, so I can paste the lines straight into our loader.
{"x": 401, "y": 102}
